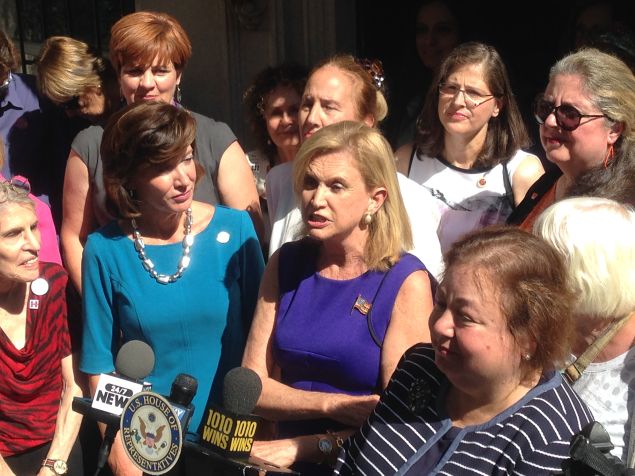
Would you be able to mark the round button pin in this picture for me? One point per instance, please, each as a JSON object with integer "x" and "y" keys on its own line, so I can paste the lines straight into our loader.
{"x": 222, "y": 237}
{"x": 39, "y": 287}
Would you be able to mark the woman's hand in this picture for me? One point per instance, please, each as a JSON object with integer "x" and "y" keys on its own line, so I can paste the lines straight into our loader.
{"x": 351, "y": 410}
{"x": 286, "y": 452}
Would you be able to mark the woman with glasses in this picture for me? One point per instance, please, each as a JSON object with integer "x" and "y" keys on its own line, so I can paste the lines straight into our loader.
{"x": 587, "y": 128}
{"x": 467, "y": 153}
{"x": 38, "y": 427}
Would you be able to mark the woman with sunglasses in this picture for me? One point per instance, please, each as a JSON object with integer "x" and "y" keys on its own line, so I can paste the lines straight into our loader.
{"x": 77, "y": 80}
{"x": 49, "y": 249}
{"x": 587, "y": 128}
{"x": 467, "y": 153}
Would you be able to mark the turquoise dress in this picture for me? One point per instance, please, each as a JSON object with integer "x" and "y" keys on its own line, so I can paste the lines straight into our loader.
{"x": 197, "y": 325}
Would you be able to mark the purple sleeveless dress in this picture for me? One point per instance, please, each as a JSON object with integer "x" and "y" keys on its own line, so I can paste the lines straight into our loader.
{"x": 322, "y": 341}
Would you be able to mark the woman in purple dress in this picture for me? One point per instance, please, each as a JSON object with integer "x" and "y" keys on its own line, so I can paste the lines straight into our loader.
{"x": 338, "y": 308}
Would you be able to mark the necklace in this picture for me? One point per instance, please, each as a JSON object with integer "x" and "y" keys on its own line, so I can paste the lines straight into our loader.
{"x": 184, "y": 262}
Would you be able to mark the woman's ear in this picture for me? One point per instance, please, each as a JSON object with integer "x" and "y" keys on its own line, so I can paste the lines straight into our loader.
{"x": 615, "y": 132}
{"x": 369, "y": 120}
{"x": 376, "y": 199}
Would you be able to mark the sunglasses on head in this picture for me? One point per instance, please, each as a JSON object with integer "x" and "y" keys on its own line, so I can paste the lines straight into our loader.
{"x": 71, "y": 105}
{"x": 4, "y": 87}
{"x": 567, "y": 117}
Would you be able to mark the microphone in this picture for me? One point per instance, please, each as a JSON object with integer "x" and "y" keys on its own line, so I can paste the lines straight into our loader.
{"x": 229, "y": 431}
{"x": 183, "y": 390}
{"x": 134, "y": 361}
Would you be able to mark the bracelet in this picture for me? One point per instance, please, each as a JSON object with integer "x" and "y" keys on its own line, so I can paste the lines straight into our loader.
{"x": 339, "y": 441}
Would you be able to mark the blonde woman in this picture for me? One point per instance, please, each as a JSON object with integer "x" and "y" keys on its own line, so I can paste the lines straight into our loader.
{"x": 350, "y": 285}
{"x": 76, "y": 79}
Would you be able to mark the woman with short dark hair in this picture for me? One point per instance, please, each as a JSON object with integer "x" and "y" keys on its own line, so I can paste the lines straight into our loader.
{"x": 179, "y": 274}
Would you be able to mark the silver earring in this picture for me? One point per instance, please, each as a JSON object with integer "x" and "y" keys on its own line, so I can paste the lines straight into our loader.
{"x": 178, "y": 93}
{"x": 527, "y": 356}
{"x": 368, "y": 218}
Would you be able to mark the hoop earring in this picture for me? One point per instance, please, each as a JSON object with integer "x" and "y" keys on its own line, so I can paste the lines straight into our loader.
{"x": 178, "y": 93}
{"x": 610, "y": 155}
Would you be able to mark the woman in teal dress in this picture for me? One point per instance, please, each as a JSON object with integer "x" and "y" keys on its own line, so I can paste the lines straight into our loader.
{"x": 176, "y": 273}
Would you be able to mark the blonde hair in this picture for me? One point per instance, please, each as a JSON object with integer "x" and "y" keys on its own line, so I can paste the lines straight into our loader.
{"x": 369, "y": 99}
{"x": 389, "y": 232}
{"x": 67, "y": 67}
{"x": 595, "y": 235}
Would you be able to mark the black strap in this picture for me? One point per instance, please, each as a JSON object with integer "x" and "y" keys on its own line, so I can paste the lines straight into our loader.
{"x": 412, "y": 157}
{"x": 534, "y": 195}
{"x": 509, "y": 192}
{"x": 369, "y": 316}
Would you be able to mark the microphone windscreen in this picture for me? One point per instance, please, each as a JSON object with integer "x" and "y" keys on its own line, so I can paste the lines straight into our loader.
{"x": 135, "y": 360}
{"x": 184, "y": 388}
{"x": 241, "y": 390}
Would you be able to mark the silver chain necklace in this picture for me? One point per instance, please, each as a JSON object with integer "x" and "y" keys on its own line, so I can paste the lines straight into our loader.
{"x": 184, "y": 262}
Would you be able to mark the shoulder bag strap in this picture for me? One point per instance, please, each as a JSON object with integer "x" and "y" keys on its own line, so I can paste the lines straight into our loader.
{"x": 574, "y": 371}
{"x": 509, "y": 192}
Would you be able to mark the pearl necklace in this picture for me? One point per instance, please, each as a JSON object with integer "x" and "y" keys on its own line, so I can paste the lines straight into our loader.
{"x": 184, "y": 262}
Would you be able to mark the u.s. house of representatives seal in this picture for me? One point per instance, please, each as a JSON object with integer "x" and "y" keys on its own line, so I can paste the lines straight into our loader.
{"x": 151, "y": 433}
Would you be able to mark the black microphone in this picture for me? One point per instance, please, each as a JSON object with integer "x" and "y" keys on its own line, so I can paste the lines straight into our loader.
{"x": 229, "y": 431}
{"x": 134, "y": 361}
{"x": 183, "y": 390}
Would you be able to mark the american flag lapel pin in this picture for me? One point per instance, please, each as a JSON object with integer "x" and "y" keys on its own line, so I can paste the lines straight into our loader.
{"x": 362, "y": 305}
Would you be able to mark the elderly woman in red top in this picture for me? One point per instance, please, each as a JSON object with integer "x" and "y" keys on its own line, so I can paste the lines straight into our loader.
{"x": 38, "y": 428}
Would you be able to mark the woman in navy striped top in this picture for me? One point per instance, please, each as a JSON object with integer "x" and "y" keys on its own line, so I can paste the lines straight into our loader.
{"x": 485, "y": 397}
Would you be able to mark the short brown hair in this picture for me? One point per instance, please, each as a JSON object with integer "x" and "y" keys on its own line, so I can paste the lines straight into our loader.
{"x": 531, "y": 279}
{"x": 141, "y": 37}
{"x": 506, "y": 133}
{"x": 144, "y": 135}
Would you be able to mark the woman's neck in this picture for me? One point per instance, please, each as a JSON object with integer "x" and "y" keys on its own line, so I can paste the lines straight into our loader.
{"x": 160, "y": 229}
{"x": 462, "y": 151}
{"x": 286, "y": 154}
{"x": 341, "y": 261}
{"x": 12, "y": 296}
{"x": 475, "y": 408}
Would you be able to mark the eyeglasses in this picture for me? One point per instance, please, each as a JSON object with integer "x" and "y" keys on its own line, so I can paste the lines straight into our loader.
{"x": 473, "y": 98}
{"x": 567, "y": 117}
{"x": 71, "y": 105}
